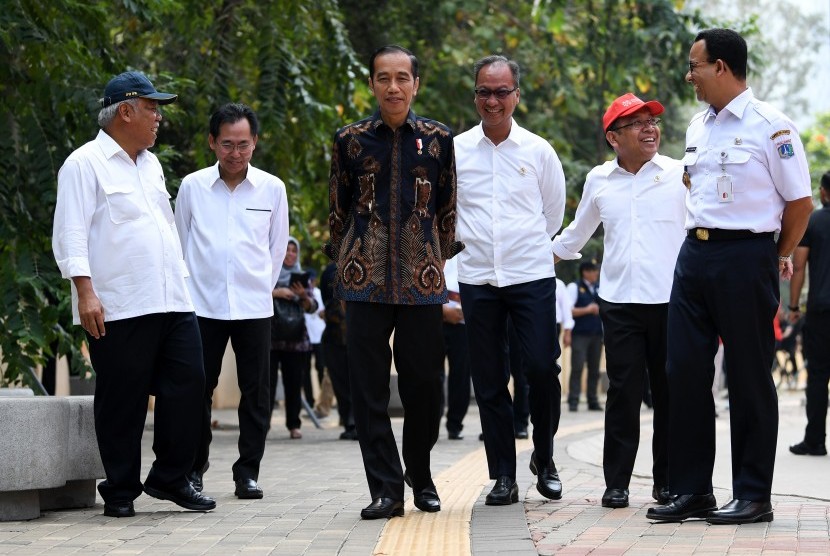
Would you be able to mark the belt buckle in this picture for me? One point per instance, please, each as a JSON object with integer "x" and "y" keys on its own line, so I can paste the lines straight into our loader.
{"x": 702, "y": 234}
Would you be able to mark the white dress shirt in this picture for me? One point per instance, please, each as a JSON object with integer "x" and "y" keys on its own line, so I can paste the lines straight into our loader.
{"x": 511, "y": 201}
{"x": 314, "y": 324}
{"x": 642, "y": 215}
{"x": 234, "y": 241}
{"x": 564, "y": 306}
{"x": 743, "y": 142}
{"x": 113, "y": 223}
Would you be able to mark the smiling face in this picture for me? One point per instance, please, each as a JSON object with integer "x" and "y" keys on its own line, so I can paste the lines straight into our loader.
{"x": 144, "y": 121}
{"x": 496, "y": 114}
{"x": 394, "y": 86}
{"x": 234, "y": 147}
{"x": 634, "y": 147}
{"x": 702, "y": 72}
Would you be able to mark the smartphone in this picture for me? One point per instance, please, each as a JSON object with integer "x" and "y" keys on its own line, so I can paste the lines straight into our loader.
{"x": 301, "y": 277}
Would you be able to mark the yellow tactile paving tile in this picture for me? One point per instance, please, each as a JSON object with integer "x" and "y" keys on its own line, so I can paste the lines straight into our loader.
{"x": 448, "y": 531}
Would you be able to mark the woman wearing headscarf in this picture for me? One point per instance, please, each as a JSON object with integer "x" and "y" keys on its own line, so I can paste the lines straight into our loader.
{"x": 291, "y": 355}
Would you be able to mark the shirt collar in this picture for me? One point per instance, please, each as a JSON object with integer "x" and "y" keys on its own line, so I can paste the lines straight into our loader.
{"x": 110, "y": 146}
{"x": 250, "y": 177}
{"x": 377, "y": 120}
{"x": 515, "y": 136}
{"x": 737, "y": 106}
{"x": 612, "y": 166}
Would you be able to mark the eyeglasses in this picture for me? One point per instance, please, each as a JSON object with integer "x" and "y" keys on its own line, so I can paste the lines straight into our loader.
{"x": 637, "y": 125}
{"x": 243, "y": 148}
{"x": 694, "y": 65}
{"x": 483, "y": 93}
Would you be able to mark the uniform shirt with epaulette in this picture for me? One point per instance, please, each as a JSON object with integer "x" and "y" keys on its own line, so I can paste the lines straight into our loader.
{"x": 742, "y": 165}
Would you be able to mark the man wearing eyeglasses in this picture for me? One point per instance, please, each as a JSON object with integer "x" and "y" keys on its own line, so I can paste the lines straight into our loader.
{"x": 511, "y": 201}
{"x": 748, "y": 206}
{"x": 233, "y": 224}
{"x": 115, "y": 238}
{"x": 639, "y": 199}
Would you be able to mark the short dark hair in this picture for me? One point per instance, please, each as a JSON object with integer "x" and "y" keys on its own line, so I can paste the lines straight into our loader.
{"x": 498, "y": 59}
{"x": 389, "y": 49}
{"x": 230, "y": 114}
{"x": 825, "y": 181}
{"x": 726, "y": 45}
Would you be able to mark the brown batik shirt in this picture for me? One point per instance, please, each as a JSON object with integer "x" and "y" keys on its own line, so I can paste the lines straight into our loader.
{"x": 392, "y": 211}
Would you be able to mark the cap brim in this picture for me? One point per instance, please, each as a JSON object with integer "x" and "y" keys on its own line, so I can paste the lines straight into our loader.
{"x": 162, "y": 98}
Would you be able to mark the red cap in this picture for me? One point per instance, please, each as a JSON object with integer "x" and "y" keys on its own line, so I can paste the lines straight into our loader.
{"x": 628, "y": 104}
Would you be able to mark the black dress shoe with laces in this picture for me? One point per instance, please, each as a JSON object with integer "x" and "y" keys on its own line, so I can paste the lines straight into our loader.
{"x": 661, "y": 494}
{"x": 741, "y": 511}
{"x": 615, "y": 498}
{"x": 455, "y": 435}
{"x": 119, "y": 509}
{"x": 184, "y": 496}
{"x": 247, "y": 489}
{"x": 547, "y": 478}
{"x": 805, "y": 449}
{"x": 521, "y": 434}
{"x": 382, "y": 508}
{"x": 504, "y": 493}
{"x": 684, "y": 507}
{"x": 426, "y": 498}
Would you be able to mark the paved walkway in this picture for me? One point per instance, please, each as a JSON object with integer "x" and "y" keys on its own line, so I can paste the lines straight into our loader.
{"x": 315, "y": 488}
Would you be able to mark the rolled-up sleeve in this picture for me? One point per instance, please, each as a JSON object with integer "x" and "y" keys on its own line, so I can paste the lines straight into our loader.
{"x": 76, "y": 202}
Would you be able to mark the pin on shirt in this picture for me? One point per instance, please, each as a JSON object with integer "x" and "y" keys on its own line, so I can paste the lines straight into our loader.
{"x": 420, "y": 145}
{"x": 522, "y": 171}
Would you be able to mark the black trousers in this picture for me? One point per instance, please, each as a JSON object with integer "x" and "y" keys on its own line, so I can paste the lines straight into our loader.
{"x": 727, "y": 289}
{"x": 635, "y": 354}
{"x": 251, "y": 342}
{"x": 158, "y": 354}
{"x": 521, "y": 389}
{"x": 458, "y": 381}
{"x": 418, "y": 349}
{"x": 338, "y": 365}
{"x": 585, "y": 348}
{"x": 817, "y": 352}
{"x": 532, "y": 308}
{"x": 292, "y": 364}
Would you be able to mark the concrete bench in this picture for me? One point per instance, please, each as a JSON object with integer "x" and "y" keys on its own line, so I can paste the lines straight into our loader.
{"x": 49, "y": 455}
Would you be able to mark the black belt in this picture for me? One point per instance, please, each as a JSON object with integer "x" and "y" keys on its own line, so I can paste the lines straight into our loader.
{"x": 717, "y": 234}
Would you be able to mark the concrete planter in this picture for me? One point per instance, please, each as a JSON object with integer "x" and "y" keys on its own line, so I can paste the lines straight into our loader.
{"x": 49, "y": 455}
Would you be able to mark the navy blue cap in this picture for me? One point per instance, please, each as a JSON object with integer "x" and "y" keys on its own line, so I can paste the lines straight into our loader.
{"x": 588, "y": 265}
{"x": 132, "y": 84}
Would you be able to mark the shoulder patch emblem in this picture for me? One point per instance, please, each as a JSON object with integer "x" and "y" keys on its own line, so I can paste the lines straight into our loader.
{"x": 785, "y": 150}
{"x": 779, "y": 133}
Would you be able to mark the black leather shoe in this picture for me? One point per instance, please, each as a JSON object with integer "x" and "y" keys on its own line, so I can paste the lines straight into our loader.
{"x": 594, "y": 406}
{"x": 119, "y": 509}
{"x": 661, "y": 494}
{"x": 573, "y": 407}
{"x": 504, "y": 493}
{"x": 741, "y": 511}
{"x": 349, "y": 434}
{"x": 683, "y": 507}
{"x": 426, "y": 498}
{"x": 247, "y": 489}
{"x": 196, "y": 480}
{"x": 547, "y": 478}
{"x": 804, "y": 449}
{"x": 184, "y": 496}
{"x": 382, "y": 508}
{"x": 615, "y": 498}
{"x": 481, "y": 436}
{"x": 521, "y": 434}
{"x": 455, "y": 435}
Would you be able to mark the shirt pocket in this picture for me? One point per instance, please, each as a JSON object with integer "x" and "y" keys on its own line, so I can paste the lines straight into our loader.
{"x": 735, "y": 162}
{"x": 121, "y": 203}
